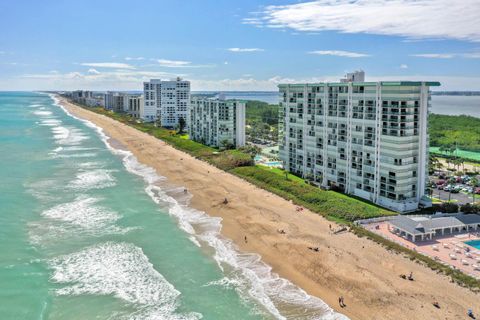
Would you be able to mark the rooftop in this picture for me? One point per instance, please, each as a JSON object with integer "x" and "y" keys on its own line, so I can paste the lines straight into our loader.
{"x": 422, "y": 225}
{"x": 367, "y": 83}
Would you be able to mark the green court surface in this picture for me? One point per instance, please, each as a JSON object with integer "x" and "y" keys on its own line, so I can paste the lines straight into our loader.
{"x": 459, "y": 153}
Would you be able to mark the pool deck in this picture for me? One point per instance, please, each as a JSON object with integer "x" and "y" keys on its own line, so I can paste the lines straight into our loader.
{"x": 440, "y": 248}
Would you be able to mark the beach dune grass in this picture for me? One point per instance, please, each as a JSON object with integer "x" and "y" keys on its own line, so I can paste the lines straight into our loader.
{"x": 333, "y": 205}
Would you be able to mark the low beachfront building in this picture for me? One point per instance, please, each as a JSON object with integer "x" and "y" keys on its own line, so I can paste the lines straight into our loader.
{"x": 217, "y": 122}
{"x": 419, "y": 228}
{"x": 368, "y": 139}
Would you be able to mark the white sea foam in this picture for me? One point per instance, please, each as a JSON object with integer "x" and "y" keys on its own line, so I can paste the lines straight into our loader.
{"x": 42, "y": 113}
{"x": 83, "y": 212}
{"x": 78, "y": 218}
{"x": 68, "y": 136}
{"x": 75, "y": 155}
{"x": 90, "y": 165}
{"x": 50, "y": 122}
{"x": 93, "y": 179}
{"x": 66, "y": 152}
{"x": 121, "y": 270}
{"x": 250, "y": 275}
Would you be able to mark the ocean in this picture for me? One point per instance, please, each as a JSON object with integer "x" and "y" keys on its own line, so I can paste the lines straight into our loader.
{"x": 87, "y": 232}
{"x": 449, "y": 105}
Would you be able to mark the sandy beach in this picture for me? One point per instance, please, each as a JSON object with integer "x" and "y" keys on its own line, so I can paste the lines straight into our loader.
{"x": 364, "y": 273}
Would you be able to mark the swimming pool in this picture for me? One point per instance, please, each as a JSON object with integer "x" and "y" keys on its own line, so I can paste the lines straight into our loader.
{"x": 273, "y": 163}
{"x": 474, "y": 243}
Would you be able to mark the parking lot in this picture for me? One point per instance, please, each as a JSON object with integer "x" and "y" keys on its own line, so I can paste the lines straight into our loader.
{"x": 458, "y": 193}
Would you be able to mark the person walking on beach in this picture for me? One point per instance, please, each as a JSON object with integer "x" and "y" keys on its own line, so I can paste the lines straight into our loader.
{"x": 246, "y": 239}
{"x": 341, "y": 302}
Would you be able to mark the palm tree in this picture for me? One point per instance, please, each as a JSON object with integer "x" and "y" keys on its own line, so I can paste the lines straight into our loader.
{"x": 181, "y": 125}
{"x": 474, "y": 182}
{"x": 432, "y": 162}
{"x": 439, "y": 165}
{"x": 451, "y": 181}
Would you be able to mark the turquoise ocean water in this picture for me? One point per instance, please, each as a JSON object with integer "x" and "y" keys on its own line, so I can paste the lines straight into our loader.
{"x": 86, "y": 232}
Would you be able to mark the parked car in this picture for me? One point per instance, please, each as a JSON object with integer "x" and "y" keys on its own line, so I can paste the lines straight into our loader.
{"x": 440, "y": 187}
{"x": 440, "y": 182}
{"x": 447, "y": 188}
{"x": 477, "y": 190}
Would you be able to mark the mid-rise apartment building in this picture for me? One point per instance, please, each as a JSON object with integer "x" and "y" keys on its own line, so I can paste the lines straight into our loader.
{"x": 124, "y": 102}
{"x": 133, "y": 104}
{"x": 368, "y": 139}
{"x": 114, "y": 101}
{"x": 166, "y": 101}
{"x": 81, "y": 96}
{"x": 217, "y": 122}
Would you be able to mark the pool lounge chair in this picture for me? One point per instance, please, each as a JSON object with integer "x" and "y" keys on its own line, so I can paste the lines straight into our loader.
{"x": 465, "y": 262}
{"x": 452, "y": 256}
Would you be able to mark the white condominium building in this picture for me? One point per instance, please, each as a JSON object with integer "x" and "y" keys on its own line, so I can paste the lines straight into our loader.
{"x": 133, "y": 105}
{"x": 124, "y": 102}
{"x": 80, "y": 96}
{"x": 217, "y": 122}
{"x": 166, "y": 101}
{"x": 115, "y": 101}
{"x": 365, "y": 138}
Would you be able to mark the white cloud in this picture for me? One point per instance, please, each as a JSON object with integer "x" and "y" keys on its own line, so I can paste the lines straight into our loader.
{"x": 403, "y": 66}
{"x": 180, "y": 64}
{"x": 443, "y": 19}
{"x": 339, "y": 53}
{"x": 245, "y": 49}
{"x": 134, "y": 58}
{"x": 225, "y": 62}
{"x": 475, "y": 55}
{"x": 93, "y": 71}
{"x": 108, "y": 80}
{"x": 434, "y": 55}
{"x": 114, "y": 65}
{"x": 173, "y": 63}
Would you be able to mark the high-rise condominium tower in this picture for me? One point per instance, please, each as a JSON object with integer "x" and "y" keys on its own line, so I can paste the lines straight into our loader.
{"x": 166, "y": 101}
{"x": 368, "y": 139}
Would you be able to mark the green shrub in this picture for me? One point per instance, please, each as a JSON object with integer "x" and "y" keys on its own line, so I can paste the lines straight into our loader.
{"x": 330, "y": 204}
{"x": 469, "y": 208}
{"x": 448, "y": 207}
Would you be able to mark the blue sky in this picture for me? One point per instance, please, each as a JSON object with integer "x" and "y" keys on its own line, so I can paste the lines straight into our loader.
{"x": 236, "y": 45}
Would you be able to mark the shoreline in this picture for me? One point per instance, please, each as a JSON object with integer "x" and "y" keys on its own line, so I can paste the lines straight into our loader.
{"x": 364, "y": 273}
